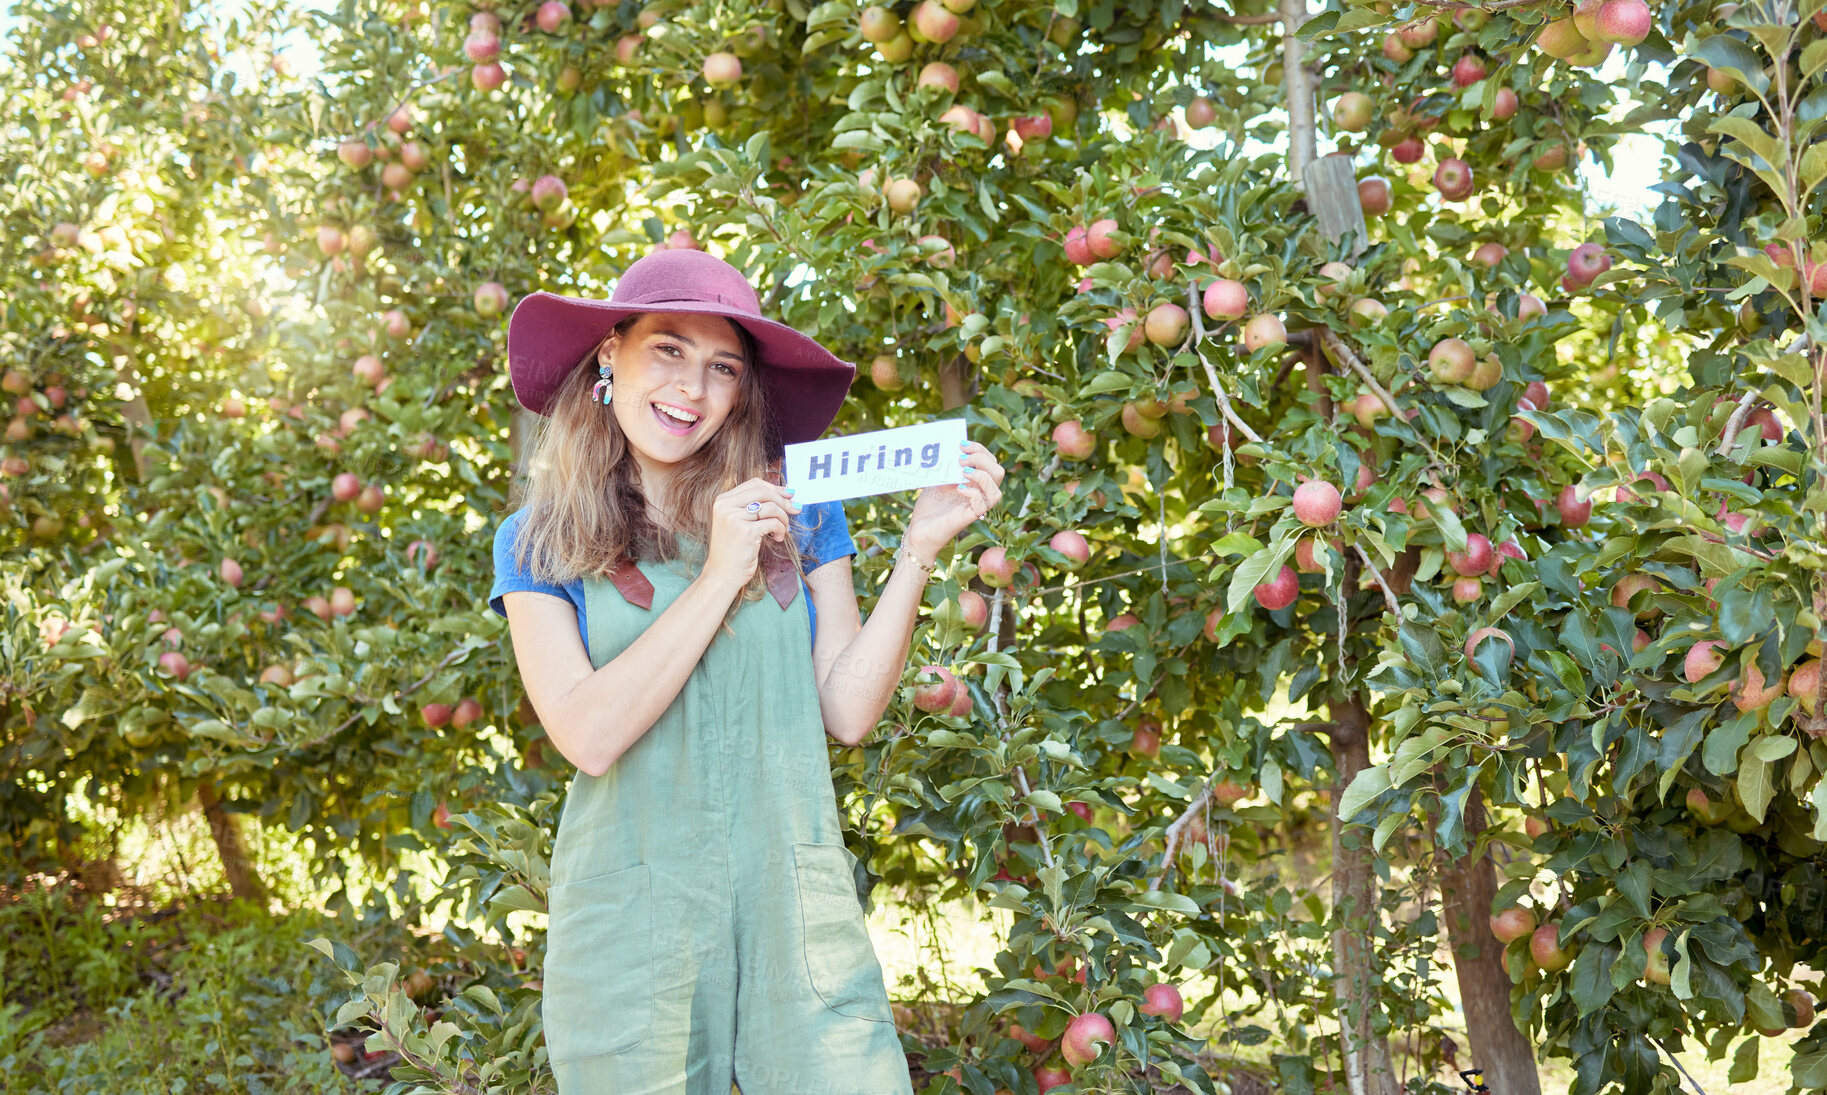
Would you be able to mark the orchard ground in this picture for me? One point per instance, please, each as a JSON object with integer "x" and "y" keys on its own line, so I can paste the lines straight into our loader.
{"x": 172, "y": 865}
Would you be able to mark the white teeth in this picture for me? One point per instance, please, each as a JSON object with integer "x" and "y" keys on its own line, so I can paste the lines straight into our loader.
{"x": 670, "y": 413}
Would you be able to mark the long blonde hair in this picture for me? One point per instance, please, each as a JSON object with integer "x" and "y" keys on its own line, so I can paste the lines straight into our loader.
{"x": 585, "y": 507}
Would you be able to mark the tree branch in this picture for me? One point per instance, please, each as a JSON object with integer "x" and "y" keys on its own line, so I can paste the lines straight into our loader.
{"x": 1247, "y": 20}
{"x": 1389, "y": 596}
{"x": 1211, "y": 374}
{"x": 1494, "y": 5}
{"x": 1736, "y": 422}
{"x": 1350, "y": 360}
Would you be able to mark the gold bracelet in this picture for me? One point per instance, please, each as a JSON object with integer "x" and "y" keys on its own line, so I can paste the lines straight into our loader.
{"x": 926, "y": 569}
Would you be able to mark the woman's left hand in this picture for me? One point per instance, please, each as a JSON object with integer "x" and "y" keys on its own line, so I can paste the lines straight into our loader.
{"x": 942, "y": 512}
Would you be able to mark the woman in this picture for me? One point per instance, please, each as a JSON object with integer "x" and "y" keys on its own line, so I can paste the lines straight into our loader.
{"x": 705, "y": 926}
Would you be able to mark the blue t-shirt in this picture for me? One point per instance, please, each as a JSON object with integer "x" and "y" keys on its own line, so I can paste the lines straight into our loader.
{"x": 820, "y": 529}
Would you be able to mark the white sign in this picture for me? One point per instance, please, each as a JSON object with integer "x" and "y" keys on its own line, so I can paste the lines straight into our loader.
{"x": 835, "y": 468}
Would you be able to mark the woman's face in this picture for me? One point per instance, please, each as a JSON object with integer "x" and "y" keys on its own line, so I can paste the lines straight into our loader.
{"x": 676, "y": 377}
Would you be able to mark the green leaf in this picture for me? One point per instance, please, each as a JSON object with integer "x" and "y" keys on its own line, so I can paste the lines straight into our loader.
{"x": 1755, "y": 788}
{"x": 1110, "y": 380}
{"x": 1734, "y": 57}
{"x": 1045, "y": 800}
{"x": 1256, "y": 570}
{"x": 1163, "y": 899}
{"x": 1365, "y": 786}
{"x": 1451, "y": 531}
{"x": 516, "y": 899}
{"x": 1744, "y": 1061}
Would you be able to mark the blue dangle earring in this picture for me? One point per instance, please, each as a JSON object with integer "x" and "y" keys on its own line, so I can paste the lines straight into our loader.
{"x": 603, "y": 386}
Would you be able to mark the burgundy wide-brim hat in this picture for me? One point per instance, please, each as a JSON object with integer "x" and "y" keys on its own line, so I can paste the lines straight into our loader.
{"x": 549, "y": 335}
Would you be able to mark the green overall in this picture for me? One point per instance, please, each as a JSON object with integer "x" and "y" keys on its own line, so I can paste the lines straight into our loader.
{"x": 705, "y": 924}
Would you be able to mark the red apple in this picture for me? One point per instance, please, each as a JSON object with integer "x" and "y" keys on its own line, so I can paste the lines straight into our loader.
{"x": 1264, "y": 331}
{"x": 1373, "y": 195}
{"x": 1702, "y": 659}
{"x": 1574, "y": 513}
{"x": 1353, "y": 111}
{"x": 1750, "y": 691}
{"x": 1163, "y": 999}
{"x": 1623, "y": 22}
{"x": 1489, "y": 254}
{"x": 435, "y": 714}
{"x": 1212, "y": 620}
{"x": 995, "y": 567}
{"x": 1477, "y": 557}
{"x": 1166, "y": 324}
{"x": 1804, "y": 682}
{"x": 1545, "y": 948}
{"x": 491, "y": 298}
{"x": 878, "y": 24}
{"x": 1101, "y": 238}
{"x": 1512, "y": 924}
{"x": 1226, "y": 299}
{"x": 1073, "y": 441}
{"x": 1086, "y": 1036}
{"x": 342, "y": 601}
{"x": 1072, "y": 544}
{"x": 1451, "y": 361}
{"x": 937, "y": 689}
{"x": 345, "y": 486}
{"x": 466, "y": 712}
{"x": 1316, "y": 503}
{"x": 1656, "y": 972}
{"x": 1453, "y": 178}
{"x": 1280, "y": 591}
{"x": 1034, "y": 1042}
{"x": 934, "y": 22}
{"x": 975, "y": 609}
{"x": 1472, "y": 640}
{"x": 1146, "y": 741}
{"x": 231, "y": 572}
{"x": 175, "y": 664}
{"x": 1468, "y": 70}
{"x": 1586, "y": 262}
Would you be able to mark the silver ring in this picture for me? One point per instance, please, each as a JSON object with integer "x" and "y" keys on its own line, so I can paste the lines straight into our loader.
{"x": 754, "y": 507}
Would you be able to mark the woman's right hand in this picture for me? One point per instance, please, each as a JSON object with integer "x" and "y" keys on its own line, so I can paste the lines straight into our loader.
{"x": 736, "y": 534}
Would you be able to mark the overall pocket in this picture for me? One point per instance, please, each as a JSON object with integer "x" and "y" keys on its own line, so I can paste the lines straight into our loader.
{"x": 598, "y": 995}
{"x": 840, "y": 960}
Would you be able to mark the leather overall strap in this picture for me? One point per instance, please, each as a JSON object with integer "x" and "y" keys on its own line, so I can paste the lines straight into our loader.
{"x": 637, "y": 590}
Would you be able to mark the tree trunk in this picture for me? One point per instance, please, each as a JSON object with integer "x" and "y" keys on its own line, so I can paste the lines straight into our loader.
{"x": 957, "y": 381}
{"x": 1466, "y": 889}
{"x": 243, "y": 880}
{"x": 1368, "y": 1068}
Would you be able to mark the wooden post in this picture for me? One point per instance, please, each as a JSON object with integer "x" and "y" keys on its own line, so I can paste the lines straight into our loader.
{"x": 957, "y": 381}
{"x": 1332, "y": 195}
{"x": 1298, "y": 83}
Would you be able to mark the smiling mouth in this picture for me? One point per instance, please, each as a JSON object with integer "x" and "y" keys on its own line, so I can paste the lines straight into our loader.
{"x": 678, "y": 426}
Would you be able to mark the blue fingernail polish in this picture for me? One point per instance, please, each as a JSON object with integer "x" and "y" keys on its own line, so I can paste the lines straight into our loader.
{"x": 789, "y": 490}
{"x": 964, "y": 444}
